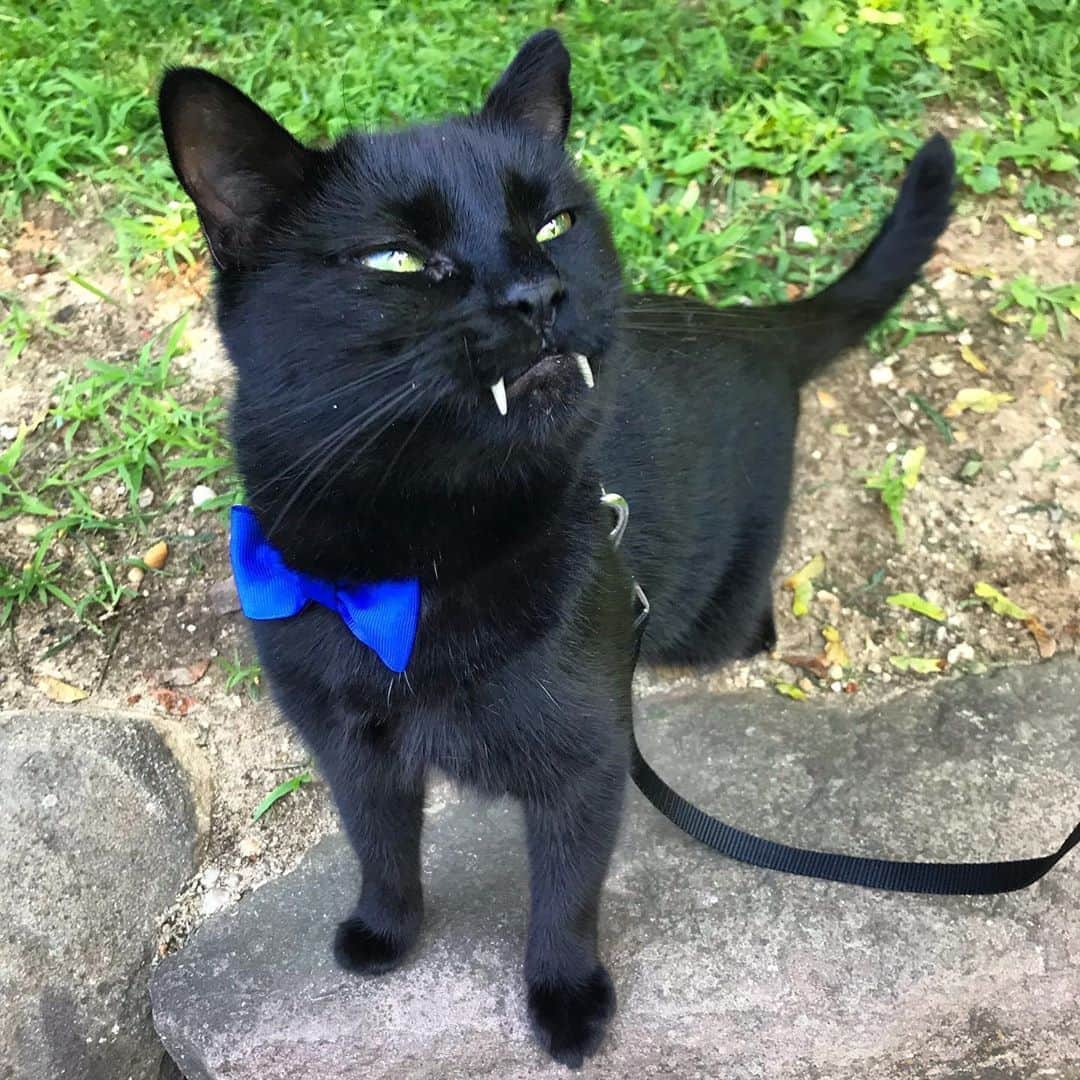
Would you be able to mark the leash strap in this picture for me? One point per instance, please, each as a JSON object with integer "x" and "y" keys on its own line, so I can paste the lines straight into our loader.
{"x": 941, "y": 879}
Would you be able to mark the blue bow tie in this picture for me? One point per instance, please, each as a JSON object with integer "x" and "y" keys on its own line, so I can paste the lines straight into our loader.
{"x": 383, "y": 615}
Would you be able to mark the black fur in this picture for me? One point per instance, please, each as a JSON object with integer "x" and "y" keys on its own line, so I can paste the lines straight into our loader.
{"x": 371, "y": 449}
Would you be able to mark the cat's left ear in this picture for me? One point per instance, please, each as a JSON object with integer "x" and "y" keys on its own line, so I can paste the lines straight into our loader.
{"x": 534, "y": 91}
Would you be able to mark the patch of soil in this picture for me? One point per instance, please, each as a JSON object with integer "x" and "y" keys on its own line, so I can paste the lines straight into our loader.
{"x": 1013, "y": 523}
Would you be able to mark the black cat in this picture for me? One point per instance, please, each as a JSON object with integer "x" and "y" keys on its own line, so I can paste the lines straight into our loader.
{"x": 438, "y": 368}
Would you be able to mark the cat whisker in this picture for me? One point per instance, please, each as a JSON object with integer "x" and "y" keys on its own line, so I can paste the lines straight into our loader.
{"x": 340, "y": 440}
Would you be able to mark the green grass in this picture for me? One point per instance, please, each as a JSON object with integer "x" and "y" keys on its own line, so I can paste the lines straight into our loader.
{"x": 677, "y": 104}
{"x": 242, "y": 676}
{"x": 1038, "y": 304}
{"x": 711, "y": 130}
{"x": 895, "y": 480}
{"x": 286, "y": 787}
{"x": 117, "y": 424}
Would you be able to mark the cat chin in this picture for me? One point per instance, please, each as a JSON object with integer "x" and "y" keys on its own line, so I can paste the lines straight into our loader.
{"x": 540, "y": 411}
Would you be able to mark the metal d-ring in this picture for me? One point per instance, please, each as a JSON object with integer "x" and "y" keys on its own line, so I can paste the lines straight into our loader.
{"x": 621, "y": 509}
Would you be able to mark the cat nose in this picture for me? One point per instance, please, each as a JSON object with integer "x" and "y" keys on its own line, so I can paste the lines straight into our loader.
{"x": 534, "y": 298}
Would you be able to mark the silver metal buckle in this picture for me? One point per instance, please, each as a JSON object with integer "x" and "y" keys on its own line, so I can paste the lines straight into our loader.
{"x": 643, "y": 600}
{"x": 621, "y": 509}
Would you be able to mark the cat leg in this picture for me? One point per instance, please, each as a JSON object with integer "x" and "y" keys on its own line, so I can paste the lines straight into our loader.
{"x": 570, "y": 838}
{"x": 382, "y": 813}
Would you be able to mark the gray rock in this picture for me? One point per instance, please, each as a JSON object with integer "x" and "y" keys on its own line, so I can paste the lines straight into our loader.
{"x": 722, "y": 970}
{"x": 97, "y": 834}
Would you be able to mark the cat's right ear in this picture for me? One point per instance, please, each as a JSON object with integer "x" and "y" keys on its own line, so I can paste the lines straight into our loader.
{"x": 235, "y": 161}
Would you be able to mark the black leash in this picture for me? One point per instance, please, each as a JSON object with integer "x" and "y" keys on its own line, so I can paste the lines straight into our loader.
{"x": 942, "y": 879}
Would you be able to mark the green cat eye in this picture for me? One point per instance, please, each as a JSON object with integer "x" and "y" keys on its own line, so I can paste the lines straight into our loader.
{"x": 394, "y": 262}
{"x": 559, "y": 224}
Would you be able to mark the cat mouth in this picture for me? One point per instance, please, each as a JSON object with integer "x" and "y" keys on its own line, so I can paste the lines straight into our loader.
{"x": 548, "y": 366}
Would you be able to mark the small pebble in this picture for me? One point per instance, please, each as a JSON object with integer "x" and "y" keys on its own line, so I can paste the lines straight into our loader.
{"x": 963, "y": 651}
{"x": 881, "y": 375}
{"x": 135, "y": 576}
{"x": 250, "y": 847}
{"x": 156, "y": 555}
{"x": 1066, "y": 240}
{"x": 804, "y": 236}
{"x": 223, "y": 597}
{"x": 1031, "y": 458}
{"x": 201, "y": 494}
{"x": 214, "y": 900}
{"x": 947, "y": 282}
{"x": 146, "y": 498}
{"x": 210, "y": 877}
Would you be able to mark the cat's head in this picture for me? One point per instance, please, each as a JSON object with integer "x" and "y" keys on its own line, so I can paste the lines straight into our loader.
{"x": 455, "y": 277}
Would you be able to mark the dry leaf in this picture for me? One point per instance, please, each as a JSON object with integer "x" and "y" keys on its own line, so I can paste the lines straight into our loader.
{"x": 985, "y": 272}
{"x": 977, "y": 400}
{"x": 999, "y": 603}
{"x": 173, "y": 702}
{"x": 793, "y": 292}
{"x": 790, "y": 690}
{"x": 841, "y": 431}
{"x": 827, "y": 400}
{"x": 188, "y": 675}
{"x": 911, "y": 465}
{"x": 1022, "y": 228}
{"x": 60, "y": 691}
{"x": 801, "y": 583}
{"x": 914, "y": 602}
{"x": 156, "y": 556}
{"x": 818, "y": 666}
{"x": 34, "y": 238}
{"x": 970, "y": 356}
{"x": 922, "y": 665}
{"x": 1046, "y": 645}
{"x": 835, "y": 653}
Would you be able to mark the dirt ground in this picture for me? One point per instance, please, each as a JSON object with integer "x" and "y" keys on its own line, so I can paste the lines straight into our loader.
{"x": 1013, "y": 521}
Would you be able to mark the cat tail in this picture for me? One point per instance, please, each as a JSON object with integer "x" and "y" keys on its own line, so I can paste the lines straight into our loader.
{"x": 842, "y": 314}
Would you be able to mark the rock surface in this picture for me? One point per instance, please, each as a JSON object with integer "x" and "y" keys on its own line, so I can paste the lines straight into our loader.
{"x": 97, "y": 833}
{"x": 722, "y": 970}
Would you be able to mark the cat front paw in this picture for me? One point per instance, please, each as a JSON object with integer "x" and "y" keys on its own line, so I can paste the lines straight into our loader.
{"x": 357, "y": 947}
{"x": 570, "y": 1018}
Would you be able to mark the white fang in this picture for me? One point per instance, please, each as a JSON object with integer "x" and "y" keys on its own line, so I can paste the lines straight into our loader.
{"x": 586, "y": 371}
{"x": 498, "y": 392}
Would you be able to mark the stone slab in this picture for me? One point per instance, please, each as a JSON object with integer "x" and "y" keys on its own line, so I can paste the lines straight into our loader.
{"x": 97, "y": 835}
{"x": 722, "y": 970}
